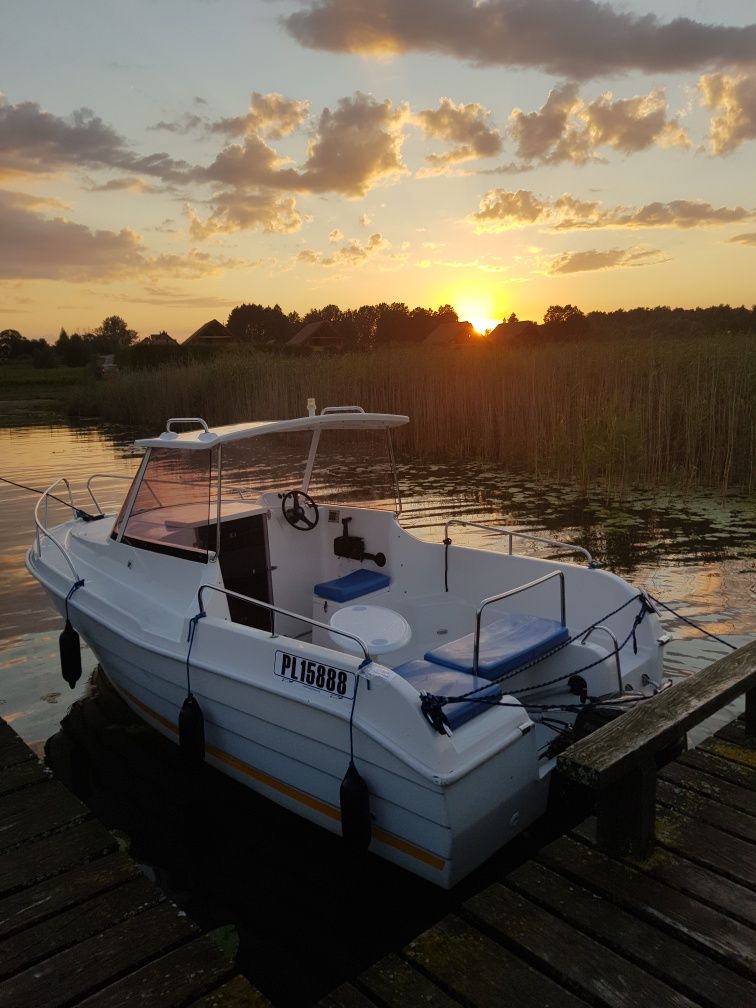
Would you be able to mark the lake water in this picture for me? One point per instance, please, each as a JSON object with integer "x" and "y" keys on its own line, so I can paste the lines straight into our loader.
{"x": 696, "y": 552}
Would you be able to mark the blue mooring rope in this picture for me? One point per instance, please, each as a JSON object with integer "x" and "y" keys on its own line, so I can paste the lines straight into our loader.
{"x": 192, "y": 627}
{"x": 74, "y": 587}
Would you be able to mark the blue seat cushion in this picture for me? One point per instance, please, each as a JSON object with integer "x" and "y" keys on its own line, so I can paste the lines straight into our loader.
{"x": 427, "y": 677}
{"x": 505, "y": 644}
{"x": 351, "y": 586}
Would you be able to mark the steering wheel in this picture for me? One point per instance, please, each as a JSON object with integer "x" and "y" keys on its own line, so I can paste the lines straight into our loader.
{"x": 296, "y": 515}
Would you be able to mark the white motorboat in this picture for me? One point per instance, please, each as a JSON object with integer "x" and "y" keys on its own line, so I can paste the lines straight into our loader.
{"x": 410, "y": 694}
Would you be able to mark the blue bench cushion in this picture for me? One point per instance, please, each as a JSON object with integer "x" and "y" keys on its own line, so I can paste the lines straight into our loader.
{"x": 505, "y": 645}
{"x": 427, "y": 677}
{"x": 352, "y": 586}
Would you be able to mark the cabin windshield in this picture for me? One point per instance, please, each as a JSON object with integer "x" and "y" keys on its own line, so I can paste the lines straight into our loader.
{"x": 173, "y": 504}
{"x": 334, "y": 466}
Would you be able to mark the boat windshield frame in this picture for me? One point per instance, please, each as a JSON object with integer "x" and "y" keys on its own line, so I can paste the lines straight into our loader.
{"x": 211, "y": 440}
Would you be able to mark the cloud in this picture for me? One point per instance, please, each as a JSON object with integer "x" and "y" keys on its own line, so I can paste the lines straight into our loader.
{"x": 543, "y": 135}
{"x": 733, "y": 100}
{"x": 365, "y": 220}
{"x": 174, "y": 297}
{"x": 351, "y": 149}
{"x": 568, "y": 129}
{"x": 352, "y": 253}
{"x": 36, "y": 247}
{"x": 335, "y": 235}
{"x": 34, "y": 142}
{"x": 501, "y": 210}
{"x": 466, "y": 127}
{"x": 573, "y": 38}
{"x": 355, "y": 146}
{"x": 270, "y": 115}
{"x": 743, "y": 239}
{"x": 595, "y": 259}
{"x": 246, "y": 211}
{"x": 127, "y": 183}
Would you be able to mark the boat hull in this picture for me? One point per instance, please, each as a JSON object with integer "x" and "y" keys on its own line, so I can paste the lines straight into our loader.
{"x": 439, "y": 826}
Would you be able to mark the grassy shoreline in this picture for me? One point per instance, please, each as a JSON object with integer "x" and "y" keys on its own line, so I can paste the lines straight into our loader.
{"x": 673, "y": 412}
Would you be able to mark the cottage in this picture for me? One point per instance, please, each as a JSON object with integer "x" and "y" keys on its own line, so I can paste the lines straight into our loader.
{"x": 318, "y": 337}
{"x": 211, "y": 334}
{"x": 451, "y": 334}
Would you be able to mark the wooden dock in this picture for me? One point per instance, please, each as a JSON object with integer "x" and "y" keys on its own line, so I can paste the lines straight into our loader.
{"x": 79, "y": 922}
{"x": 575, "y": 926}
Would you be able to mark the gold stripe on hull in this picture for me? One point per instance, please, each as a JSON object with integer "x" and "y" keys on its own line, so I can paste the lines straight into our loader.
{"x": 324, "y": 808}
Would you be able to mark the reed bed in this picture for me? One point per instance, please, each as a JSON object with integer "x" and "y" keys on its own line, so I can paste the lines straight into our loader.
{"x": 653, "y": 412}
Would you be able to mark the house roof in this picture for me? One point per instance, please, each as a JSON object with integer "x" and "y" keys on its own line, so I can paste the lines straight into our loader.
{"x": 210, "y": 331}
{"x": 322, "y": 328}
{"x": 450, "y": 332}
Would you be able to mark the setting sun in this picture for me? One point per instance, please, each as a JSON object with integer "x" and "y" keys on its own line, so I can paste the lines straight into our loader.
{"x": 478, "y": 310}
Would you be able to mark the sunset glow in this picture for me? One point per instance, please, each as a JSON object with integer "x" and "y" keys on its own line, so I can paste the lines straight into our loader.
{"x": 596, "y": 153}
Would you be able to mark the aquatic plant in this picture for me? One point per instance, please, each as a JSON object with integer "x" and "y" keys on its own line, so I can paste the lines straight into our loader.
{"x": 653, "y": 411}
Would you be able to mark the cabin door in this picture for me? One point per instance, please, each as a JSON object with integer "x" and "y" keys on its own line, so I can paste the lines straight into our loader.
{"x": 245, "y": 567}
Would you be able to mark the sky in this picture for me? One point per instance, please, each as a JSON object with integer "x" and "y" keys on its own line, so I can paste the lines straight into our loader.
{"x": 166, "y": 160}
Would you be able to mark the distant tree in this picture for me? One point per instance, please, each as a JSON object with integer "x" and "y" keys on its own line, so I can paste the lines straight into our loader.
{"x": 113, "y": 335}
{"x": 253, "y": 323}
{"x": 43, "y": 355}
{"x": 565, "y": 322}
{"x": 445, "y": 313}
{"x": 512, "y": 319}
{"x": 11, "y": 344}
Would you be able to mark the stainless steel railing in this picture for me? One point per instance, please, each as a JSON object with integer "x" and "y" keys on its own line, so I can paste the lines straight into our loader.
{"x": 112, "y": 476}
{"x": 41, "y": 523}
{"x": 601, "y": 626}
{"x": 283, "y": 612}
{"x": 513, "y": 533}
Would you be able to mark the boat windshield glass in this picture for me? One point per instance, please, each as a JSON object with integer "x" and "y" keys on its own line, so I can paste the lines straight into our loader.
{"x": 172, "y": 508}
{"x": 349, "y": 467}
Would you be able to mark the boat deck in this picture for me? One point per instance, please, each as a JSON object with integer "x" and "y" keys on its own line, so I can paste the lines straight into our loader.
{"x": 574, "y": 927}
{"x": 79, "y": 922}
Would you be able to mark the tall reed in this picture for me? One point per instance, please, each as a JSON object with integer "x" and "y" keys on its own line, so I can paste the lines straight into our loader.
{"x": 677, "y": 411}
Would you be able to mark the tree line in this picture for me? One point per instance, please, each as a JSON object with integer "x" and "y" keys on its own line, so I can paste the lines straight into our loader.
{"x": 378, "y": 325}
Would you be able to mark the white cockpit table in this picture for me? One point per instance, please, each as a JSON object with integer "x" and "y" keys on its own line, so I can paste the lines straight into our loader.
{"x": 382, "y": 630}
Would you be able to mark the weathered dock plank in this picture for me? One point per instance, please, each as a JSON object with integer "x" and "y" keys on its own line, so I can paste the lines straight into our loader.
{"x": 719, "y": 789}
{"x": 53, "y": 896}
{"x": 68, "y": 848}
{"x": 66, "y": 929}
{"x": 77, "y": 972}
{"x": 236, "y": 993}
{"x": 393, "y": 983}
{"x": 477, "y": 970}
{"x": 589, "y": 967}
{"x": 698, "y": 805}
{"x": 733, "y": 900}
{"x": 79, "y": 922}
{"x": 36, "y": 810}
{"x": 675, "y": 912}
{"x": 20, "y": 775}
{"x": 171, "y": 981}
{"x": 667, "y": 957}
{"x": 710, "y": 763}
